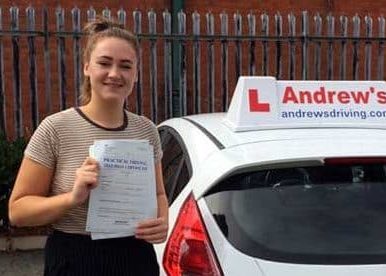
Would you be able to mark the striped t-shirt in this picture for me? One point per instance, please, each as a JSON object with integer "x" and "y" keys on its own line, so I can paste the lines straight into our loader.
{"x": 62, "y": 141}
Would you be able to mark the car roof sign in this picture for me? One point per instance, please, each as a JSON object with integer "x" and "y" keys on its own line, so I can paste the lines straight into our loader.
{"x": 265, "y": 103}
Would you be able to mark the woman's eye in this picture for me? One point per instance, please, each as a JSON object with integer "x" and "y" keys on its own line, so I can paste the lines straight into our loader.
{"x": 103, "y": 64}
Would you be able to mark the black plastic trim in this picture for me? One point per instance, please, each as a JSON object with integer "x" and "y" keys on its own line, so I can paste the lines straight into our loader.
{"x": 207, "y": 133}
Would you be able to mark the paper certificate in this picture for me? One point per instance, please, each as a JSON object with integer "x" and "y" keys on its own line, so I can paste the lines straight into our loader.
{"x": 126, "y": 193}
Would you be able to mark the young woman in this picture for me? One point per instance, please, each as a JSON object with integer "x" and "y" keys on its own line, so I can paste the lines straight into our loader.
{"x": 56, "y": 174}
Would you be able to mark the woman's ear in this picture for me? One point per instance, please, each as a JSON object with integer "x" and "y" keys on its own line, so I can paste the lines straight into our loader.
{"x": 136, "y": 76}
{"x": 85, "y": 69}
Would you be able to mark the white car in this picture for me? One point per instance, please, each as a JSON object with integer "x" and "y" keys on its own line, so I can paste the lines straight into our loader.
{"x": 295, "y": 198}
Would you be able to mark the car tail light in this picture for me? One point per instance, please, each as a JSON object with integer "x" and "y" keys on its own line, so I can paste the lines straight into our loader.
{"x": 354, "y": 160}
{"x": 188, "y": 250}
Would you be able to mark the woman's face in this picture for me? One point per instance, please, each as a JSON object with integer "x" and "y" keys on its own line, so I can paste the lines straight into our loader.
{"x": 112, "y": 69}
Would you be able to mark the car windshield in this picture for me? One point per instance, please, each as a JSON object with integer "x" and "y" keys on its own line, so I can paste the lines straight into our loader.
{"x": 327, "y": 214}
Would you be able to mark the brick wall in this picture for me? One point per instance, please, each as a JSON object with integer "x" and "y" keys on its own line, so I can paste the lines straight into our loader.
{"x": 349, "y": 8}
{"x": 285, "y": 7}
{"x": 129, "y": 6}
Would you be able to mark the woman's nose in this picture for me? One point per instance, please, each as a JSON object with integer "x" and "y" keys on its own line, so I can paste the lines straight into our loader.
{"x": 114, "y": 71}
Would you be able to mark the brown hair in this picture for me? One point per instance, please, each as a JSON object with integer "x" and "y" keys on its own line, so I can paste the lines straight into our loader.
{"x": 95, "y": 30}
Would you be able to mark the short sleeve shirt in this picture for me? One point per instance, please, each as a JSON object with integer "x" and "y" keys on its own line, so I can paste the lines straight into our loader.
{"x": 61, "y": 143}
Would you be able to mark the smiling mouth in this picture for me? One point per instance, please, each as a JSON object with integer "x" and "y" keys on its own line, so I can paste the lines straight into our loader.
{"x": 114, "y": 84}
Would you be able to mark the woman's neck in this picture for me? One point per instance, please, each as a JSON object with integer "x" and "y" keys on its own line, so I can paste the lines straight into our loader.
{"x": 109, "y": 116}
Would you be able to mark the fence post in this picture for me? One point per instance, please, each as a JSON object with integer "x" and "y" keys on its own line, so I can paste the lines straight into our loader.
{"x": 137, "y": 17}
{"x": 177, "y": 7}
{"x": 252, "y": 44}
{"x": 121, "y": 14}
{"x": 318, "y": 45}
{"x": 168, "y": 77}
{"x": 343, "y": 34}
{"x": 91, "y": 14}
{"x": 238, "y": 32}
{"x": 182, "y": 65}
{"x": 224, "y": 60}
{"x": 61, "y": 57}
{"x": 47, "y": 63}
{"x": 381, "y": 53}
{"x": 265, "y": 32}
{"x": 3, "y": 117}
{"x": 356, "y": 33}
{"x": 211, "y": 82}
{"x": 279, "y": 34}
{"x": 369, "y": 34}
{"x": 77, "y": 53}
{"x": 196, "y": 64}
{"x": 32, "y": 66}
{"x": 106, "y": 13}
{"x": 291, "y": 46}
{"x": 16, "y": 72}
{"x": 330, "y": 50}
{"x": 305, "y": 45}
{"x": 152, "y": 16}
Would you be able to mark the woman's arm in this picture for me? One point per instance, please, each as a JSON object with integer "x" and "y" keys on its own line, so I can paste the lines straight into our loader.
{"x": 162, "y": 201}
{"x": 156, "y": 230}
{"x": 30, "y": 205}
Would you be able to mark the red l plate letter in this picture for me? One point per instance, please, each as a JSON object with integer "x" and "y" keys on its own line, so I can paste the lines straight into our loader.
{"x": 254, "y": 105}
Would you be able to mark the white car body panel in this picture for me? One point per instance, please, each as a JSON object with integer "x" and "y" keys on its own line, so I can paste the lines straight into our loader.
{"x": 278, "y": 269}
{"x": 231, "y": 260}
{"x": 199, "y": 146}
{"x": 222, "y": 163}
{"x": 214, "y": 123}
{"x": 210, "y": 164}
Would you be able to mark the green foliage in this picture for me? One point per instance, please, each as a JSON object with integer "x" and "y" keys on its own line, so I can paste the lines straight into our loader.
{"x": 11, "y": 154}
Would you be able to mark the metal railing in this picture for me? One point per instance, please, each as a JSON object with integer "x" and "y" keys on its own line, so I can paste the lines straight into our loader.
{"x": 204, "y": 71}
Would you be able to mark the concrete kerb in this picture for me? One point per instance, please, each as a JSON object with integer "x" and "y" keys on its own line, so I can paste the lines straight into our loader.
{"x": 22, "y": 243}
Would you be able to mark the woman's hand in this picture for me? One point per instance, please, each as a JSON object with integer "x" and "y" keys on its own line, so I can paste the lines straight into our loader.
{"x": 86, "y": 179}
{"x": 152, "y": 230}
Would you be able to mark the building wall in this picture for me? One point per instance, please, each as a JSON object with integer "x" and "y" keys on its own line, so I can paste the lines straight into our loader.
{"x": 335, "y": 8}
{"x": 352, "y": 7}
{"x": 129, "y": 6}
{"x": 257, "y": 7}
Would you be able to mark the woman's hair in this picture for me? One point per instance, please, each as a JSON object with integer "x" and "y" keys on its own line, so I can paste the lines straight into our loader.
{"x": 95, "y": 30}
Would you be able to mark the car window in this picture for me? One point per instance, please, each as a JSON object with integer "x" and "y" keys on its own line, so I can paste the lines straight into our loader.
{"x": 325, "y": 214}
{"x": 175, "y": 163}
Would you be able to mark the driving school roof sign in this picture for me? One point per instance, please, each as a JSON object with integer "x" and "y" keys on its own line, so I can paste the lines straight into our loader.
{"x": 265, "y": 103}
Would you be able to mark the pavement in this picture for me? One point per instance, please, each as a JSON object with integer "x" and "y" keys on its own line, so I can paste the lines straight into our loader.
{"x": 22, "y": 263}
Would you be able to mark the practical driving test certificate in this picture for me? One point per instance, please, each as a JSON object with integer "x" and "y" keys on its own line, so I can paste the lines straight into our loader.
{"x": 126, "y": 193}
